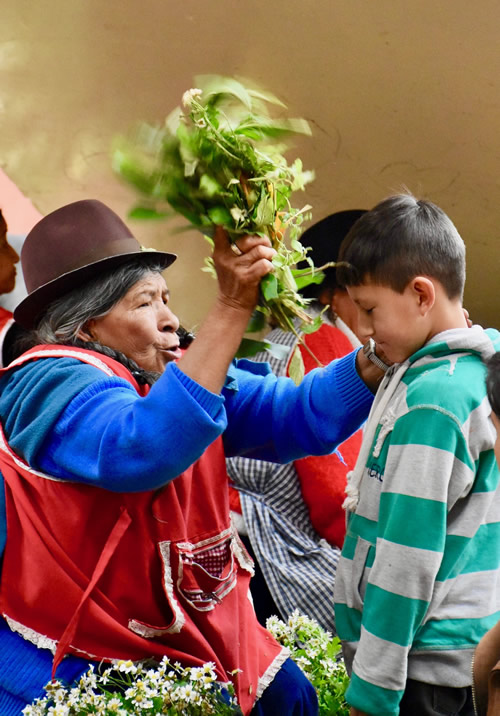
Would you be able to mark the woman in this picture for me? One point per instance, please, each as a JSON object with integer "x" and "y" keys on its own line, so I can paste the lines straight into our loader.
{"x": 107, "y": 555}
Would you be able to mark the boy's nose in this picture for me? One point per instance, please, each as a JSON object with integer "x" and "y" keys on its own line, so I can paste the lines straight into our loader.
{"x": 364, "y": 335}
{"x": 365, "y": 329}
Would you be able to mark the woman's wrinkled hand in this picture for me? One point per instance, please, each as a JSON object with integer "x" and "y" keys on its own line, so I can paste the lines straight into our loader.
{"x": 240, "y": 267}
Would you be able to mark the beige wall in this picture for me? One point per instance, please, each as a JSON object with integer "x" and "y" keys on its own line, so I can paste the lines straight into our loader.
{"x": 397, "y": 92}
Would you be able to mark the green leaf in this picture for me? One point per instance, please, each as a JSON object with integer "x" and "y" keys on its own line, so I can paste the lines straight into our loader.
{"x": 307, "y": 279}
{"x": 264, "y": 211}
{"x": 269, "y": 287}
{"x": 257, "y": 322}
{"x": 278, "y": 350}
{"x": 209, "y": 186}
{"x": 296, "y": 366}
{"x": 266, "y": 96}
{"x": 220, "y": 215}
{"x": 143, "y": 212}
{"x": 216, "y": 85}
{"x": 287, "y": 277}
{"x": 250, "y": 347}
{"x": 259, "y": 128}
{"x": 132, "y": 172}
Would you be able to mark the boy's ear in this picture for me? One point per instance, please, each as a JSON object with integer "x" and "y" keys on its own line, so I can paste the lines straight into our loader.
{"x": 425, "y": 293}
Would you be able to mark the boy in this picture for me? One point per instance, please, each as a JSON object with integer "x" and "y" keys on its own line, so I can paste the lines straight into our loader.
{"x": 416, "y": 585}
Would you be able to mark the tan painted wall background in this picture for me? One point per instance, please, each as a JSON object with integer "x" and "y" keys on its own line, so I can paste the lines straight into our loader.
{"x": 397, "y": 92}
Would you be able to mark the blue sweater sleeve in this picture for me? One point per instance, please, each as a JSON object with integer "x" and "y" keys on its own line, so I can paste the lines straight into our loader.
{"x": 272, "y": 419}
{"x": 70, "y": 420}
{"x": 134, "y": 443}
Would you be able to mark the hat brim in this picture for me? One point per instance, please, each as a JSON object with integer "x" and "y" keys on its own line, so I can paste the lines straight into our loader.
{"x": 29, "y": 311}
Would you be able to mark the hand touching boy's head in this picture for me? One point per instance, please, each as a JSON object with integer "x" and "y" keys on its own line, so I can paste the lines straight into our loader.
{"x": 403, "y": 264}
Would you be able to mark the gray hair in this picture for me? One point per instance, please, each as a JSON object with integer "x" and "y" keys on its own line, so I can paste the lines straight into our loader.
{"x": 65, "y": 317}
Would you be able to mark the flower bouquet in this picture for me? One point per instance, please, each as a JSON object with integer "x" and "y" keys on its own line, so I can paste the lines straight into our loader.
{"x": 152, "y": 689}
{"x": 317, "y": 653}
{"x": 219, "y": 160}
{"x": 140, "y": 689}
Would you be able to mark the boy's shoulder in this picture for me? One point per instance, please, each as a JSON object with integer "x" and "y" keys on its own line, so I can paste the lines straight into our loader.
{"x": 449, "y": 373}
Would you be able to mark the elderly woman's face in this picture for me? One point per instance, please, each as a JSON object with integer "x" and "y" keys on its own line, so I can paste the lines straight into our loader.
{"x": 141, "y": 325}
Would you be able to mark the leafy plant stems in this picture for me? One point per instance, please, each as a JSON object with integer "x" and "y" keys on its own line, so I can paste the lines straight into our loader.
{"x": 219, "y": 160}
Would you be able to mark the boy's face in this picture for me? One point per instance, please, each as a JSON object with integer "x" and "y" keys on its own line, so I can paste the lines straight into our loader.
{"x": 392, "y": 319}
{"x": 496, "y": 422}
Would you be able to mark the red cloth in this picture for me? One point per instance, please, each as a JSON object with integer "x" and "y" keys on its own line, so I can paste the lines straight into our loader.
{"x": 133, "y": 575}
{"x": 323, "y": 479}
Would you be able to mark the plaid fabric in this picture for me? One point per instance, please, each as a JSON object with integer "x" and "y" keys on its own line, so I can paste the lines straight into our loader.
{"x": 298, "y": 566}
{"x": 212, "y": 560}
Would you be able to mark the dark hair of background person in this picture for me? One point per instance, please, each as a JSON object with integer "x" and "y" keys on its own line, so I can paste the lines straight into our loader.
{"x": 323, "y": 240}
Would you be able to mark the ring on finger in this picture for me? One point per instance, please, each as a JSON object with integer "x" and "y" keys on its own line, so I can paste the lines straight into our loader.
{"x": 236, "y": 249}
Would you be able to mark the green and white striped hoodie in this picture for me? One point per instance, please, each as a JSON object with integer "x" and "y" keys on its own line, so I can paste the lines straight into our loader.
{"x": 418, "y": 582}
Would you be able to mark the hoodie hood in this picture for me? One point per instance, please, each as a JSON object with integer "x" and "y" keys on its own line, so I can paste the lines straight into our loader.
{"x": 482, "y": 342}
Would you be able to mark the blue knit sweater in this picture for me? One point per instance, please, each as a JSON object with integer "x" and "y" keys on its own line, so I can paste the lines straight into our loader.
{"x": 69, "y": 420}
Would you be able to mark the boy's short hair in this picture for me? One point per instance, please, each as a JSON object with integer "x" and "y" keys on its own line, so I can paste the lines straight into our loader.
{"x": 403, "y": 237}
{"x": 493, "y": 382}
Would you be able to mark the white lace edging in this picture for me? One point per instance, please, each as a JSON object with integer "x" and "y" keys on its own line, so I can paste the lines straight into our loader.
{"x": 44, "y": 642}
{"x": 168, "y": 586}
{"x": 241, "y": 555}
{"x": 271, "y": 672}
{"x": 39, "y": 640}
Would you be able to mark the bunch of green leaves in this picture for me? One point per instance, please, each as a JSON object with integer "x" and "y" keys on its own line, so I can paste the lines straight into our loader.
{"x": 219, "y": 160}
{"x": 317, "y": 653}
{"x": 147, "y": 689}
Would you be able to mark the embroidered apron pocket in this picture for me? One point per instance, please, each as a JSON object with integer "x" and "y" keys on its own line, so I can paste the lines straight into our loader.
{"x": 207, "y": 571}
{"x": 360, "y": 572}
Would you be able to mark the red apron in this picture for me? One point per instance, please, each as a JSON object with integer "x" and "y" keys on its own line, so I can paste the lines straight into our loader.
{"x": 110, "y": 576}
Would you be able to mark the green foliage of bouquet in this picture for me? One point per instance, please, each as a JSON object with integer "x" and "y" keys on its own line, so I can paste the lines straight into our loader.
{"x": 219, "y": 160}
{"x": 317, "y": 653}
{"x": 142, "y": 690}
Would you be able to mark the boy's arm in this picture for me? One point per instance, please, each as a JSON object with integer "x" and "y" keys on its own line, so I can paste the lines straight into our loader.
{"x": 420, "y": 457}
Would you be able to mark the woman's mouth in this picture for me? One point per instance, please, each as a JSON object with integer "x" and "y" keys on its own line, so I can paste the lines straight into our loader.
{"x": 173, "y": 353}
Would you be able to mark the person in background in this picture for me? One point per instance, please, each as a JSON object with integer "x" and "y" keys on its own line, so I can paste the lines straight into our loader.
{"x": 486, "y": 662}
{"x": 118, "y": 540}
{"x": 290, "y": 516}
{"x": 417, "y": 581}
{"x": 10, "y": 332}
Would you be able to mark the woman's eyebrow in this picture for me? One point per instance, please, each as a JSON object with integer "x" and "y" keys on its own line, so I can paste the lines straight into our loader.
{"x": 150, "y": 292}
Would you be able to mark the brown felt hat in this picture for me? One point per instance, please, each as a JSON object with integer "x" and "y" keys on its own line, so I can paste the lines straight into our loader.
{"x": 70, "y": 246}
